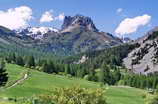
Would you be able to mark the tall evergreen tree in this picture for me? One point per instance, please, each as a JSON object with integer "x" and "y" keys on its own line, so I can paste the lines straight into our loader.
{"x": 67, "y": 69}
{"x": 116, "y": 76}
{"x": 102, "y": 75}
{"x": 105, "y": 74}
{"x": 20, "y": 61}
{"x": 13, "y": 57}
{"x": 51, "y": 67}
{"x": 45, "y": 67}
{"x": 30, "y": 61}
{"x": 92, "y": 76}
{"x": 3, "y": 74}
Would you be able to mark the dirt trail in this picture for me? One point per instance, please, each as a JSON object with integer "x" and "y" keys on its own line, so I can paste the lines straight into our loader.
{"x": 19, "y": 81}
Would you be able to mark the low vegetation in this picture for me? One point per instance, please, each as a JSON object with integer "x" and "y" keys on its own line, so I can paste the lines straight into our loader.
{"x": 74, "y": 95}
{"x": 50, "y": 77}
{"x": 41, "y": 83}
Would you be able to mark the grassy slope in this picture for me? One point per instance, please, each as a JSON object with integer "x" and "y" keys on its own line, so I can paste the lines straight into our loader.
{"x": 14, "y": 71}
{"x": 118, "y": 95}
{"x": 39, "y": 82}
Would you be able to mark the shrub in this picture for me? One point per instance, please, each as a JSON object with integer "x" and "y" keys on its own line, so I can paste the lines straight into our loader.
{"x": 121, "y": 82}
{"x": 73, "y": 95}
{"x": 76, "y": 95}
{"x": 153, "y": 100}
{"x": 69, "y": 75}
{"x": 62, "y": 73}
{"x": 86, "y": 77}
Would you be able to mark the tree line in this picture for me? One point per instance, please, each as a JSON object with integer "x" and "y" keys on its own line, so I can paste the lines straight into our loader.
{"x": 102, "y": 66}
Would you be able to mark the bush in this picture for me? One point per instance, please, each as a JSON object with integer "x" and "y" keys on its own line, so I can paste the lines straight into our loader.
{"x": 121, "y": 82}
{"x": 144, "y": 95}
{"x": 38, "y": 68}
{"x": 154, "y": 100}
{"x": 151, "y": 99}
{"x": 32, "y": 67}
{"x": 86, "y": 77}
{"x": 62, "y": 73}
{"x": 69, "y": 75}
{"x": 74, "y": 95}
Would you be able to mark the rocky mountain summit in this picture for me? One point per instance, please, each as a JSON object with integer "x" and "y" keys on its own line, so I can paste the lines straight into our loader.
{"x": 79, "y": 21}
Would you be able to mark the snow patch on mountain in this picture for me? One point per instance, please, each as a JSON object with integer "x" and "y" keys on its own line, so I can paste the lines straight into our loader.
{"x": 37, "y": 32}
{"x": 42, "y": 30}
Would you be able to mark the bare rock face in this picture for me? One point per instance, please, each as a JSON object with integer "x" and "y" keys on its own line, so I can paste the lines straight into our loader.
{"x": 144, "y": 59}
{"x": 79, "y": 20}
{"x": 82, "y": 60}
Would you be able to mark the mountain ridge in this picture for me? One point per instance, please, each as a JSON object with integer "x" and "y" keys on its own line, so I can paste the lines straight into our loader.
{"x": 78, "y": 35}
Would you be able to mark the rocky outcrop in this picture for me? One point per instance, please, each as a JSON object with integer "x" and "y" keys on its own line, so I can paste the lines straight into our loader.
{"x": 144, "y": 59}
{"x": 79, "y": 20}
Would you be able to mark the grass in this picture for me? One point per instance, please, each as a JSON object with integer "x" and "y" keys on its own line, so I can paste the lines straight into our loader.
{"x": 123, "y": 95}
{"x": 6, "y": 102}
{"x": 39, "y": 83}
{"x": 14, "y": 71}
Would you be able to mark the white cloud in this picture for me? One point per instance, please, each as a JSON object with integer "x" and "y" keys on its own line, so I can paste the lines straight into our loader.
{"x": 119, "y": 10}
{"x": 60, "y": 17}
{"x": 47, "y": 17}
{"x": 16, "y": 18}
{"x": 130, "y": 25}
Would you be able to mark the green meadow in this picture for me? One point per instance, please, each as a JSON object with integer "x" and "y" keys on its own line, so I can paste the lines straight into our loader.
{"x": 42, "y": 83}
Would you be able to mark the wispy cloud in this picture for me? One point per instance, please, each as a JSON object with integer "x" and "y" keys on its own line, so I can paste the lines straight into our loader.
{"x": 60, "y": 17}
{"x": 119, "y": 10}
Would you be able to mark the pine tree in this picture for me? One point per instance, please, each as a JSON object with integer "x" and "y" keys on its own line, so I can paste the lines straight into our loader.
{"x": 19, "y": 61}
{"x": 116, "y": 75}
{"x": 3, "y": 74}
{"x": 67, "y": 69}
{"x": 30, "y": 61}
{"x": 51, "y": 67}
{"x": 13, "y": 57}
{"x": 92, "y": 76}
{"x": 102, "y": 75}
{"x": 80, "y": 73}
{"x": 105, "y": 74}
{"x": 45, "y": 67}
{"x": 154, "y": 82}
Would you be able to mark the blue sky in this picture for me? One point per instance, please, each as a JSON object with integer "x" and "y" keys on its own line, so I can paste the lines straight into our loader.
{"x": 103, "y": 12}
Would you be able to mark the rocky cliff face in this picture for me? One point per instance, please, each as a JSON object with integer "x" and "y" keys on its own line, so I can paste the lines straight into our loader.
{"x": 77, "y": 21}
{"x": 144, "y": 59}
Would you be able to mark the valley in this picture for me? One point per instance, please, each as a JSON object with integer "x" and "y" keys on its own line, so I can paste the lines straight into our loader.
{"x": 54, "y": 57}
{"x": 39, "y": 83}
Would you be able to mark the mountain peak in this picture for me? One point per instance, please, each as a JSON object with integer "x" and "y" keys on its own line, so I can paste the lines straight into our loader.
{"x": 79, "y": 20}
